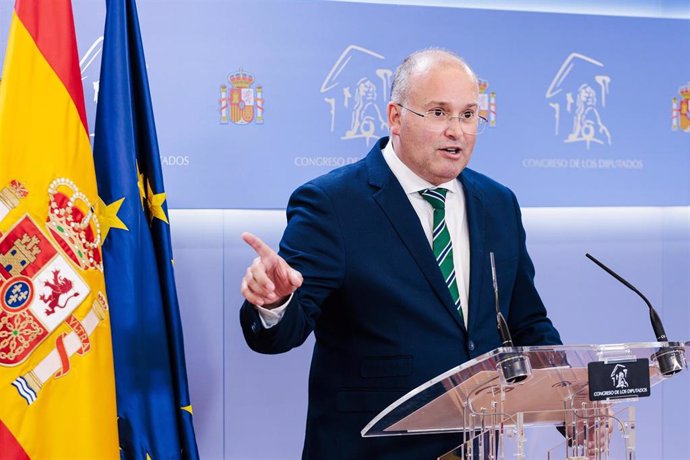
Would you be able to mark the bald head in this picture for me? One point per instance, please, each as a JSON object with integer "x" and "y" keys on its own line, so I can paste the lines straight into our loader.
{"x": 427, "y": 83}
{"x": 420, "y": 62}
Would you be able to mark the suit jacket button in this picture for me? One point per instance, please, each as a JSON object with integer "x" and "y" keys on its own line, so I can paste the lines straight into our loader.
{"x": 470, "y": 345}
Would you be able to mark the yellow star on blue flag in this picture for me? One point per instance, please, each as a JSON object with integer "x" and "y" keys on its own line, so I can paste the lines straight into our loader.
{"x": 107, "y": 216}
{"x": 155, "y": 203}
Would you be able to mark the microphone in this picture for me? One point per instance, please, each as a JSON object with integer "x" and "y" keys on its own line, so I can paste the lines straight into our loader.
{"x": 653, "y": 316}
{"x": 514, "y": 367}
{"x": 503, "y": 332}
{"x": 670, "y": 359}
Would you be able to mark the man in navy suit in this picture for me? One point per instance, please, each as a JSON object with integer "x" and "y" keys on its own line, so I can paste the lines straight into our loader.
{"x": 364, "y": 265}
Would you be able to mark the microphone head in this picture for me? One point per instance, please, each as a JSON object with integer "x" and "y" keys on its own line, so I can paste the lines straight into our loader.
{"x": 670, "y": 360}
{"x": 514, "y": 367}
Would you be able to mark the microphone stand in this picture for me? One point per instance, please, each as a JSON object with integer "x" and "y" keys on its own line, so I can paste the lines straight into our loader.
{"x": 514, "y": 367}
{"x": 670, "y": 359}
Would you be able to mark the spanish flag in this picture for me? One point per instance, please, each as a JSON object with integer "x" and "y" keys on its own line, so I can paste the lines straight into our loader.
{"x": 57, "y": 388}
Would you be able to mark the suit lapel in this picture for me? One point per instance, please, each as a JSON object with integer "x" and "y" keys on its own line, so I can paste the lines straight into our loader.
{"x": 390, "y": 196}
{"x": 479, "y": 259}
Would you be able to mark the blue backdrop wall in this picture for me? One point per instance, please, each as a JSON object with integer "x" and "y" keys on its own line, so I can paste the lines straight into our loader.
{"x": 589, "y": 126}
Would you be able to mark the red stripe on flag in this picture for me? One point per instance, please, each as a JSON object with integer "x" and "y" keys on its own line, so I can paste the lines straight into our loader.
{"x": 64, "y": 357}
{"x": 11, "y": 449}
{"x": 52, "y": 27}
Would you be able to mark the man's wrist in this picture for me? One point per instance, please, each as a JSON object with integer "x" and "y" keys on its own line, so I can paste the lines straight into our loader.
{"x": 272, "y": 316}
{"x": 278, "y": 303}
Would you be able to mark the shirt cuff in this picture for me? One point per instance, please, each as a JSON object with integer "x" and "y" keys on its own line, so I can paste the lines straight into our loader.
{"x": 270, "y": 318}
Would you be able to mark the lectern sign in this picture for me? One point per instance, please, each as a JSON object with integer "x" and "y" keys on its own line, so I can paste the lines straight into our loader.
{"x": 625, "y": 379}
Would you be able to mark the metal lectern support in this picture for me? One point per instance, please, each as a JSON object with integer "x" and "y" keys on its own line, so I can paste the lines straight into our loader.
{"x": 520, "y": 428}
{"x": 630, "y": 434}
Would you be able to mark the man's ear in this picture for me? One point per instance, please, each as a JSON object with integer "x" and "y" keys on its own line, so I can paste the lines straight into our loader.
{"x": 393, "y": 110}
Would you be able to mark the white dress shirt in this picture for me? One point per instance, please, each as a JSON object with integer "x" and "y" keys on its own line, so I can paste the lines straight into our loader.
{"x": 456, "y": 217}
{"x": 456, "y": 220}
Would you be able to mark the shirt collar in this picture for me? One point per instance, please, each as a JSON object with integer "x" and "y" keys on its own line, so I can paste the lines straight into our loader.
{"x": 411, "y": 182}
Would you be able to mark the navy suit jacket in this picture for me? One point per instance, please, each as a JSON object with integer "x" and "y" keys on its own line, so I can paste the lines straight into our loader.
{"x": 382, "y": 316}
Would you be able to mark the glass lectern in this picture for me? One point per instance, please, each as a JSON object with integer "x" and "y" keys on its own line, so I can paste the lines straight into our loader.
{"x": 495, "y": 397}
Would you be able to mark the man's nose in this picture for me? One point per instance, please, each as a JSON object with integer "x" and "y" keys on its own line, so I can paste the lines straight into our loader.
{"x": 454, "y": 128}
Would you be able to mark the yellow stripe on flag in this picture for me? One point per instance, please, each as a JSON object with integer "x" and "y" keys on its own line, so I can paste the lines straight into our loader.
{"x": 42, "y": 139}
{"x": 41, "y": 135}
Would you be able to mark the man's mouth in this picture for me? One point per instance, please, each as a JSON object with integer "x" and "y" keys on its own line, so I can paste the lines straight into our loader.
{"x": 452, "y": 150}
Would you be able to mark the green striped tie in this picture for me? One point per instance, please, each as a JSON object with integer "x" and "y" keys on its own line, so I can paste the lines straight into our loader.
{"x": 443, "y": 246}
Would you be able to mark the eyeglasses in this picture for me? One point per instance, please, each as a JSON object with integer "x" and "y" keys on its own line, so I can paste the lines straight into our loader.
{"x": 470, "y": 120}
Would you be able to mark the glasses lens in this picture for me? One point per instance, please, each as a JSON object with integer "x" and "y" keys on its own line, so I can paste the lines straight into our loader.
{"x": 471, "y": 125}
{"x": 480, "y": 125}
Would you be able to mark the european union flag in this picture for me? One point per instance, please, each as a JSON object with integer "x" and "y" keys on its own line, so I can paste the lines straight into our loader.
{"x": 153, "y": 407}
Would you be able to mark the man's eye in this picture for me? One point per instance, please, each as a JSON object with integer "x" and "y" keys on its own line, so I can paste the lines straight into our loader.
{"x": 437, "y": 113}
{"x": 467, "y": 115}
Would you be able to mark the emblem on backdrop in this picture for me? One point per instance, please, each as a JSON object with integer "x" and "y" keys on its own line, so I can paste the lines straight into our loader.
{"x": 487, "y": 103}
{"x": 356, "y": 91}
{"x": 680, "y": 118}
{"x": 239, "y": 102}
{"x": 577, "y": 94}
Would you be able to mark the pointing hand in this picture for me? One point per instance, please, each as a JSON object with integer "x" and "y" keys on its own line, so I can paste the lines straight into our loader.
{"x": 269, "y": 280}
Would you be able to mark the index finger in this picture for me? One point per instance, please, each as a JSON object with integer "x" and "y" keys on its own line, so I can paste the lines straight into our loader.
{"x": 261, "y": 248}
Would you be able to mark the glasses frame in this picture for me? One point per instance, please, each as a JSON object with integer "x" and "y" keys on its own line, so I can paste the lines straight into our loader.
{"x": 481, "y": 121}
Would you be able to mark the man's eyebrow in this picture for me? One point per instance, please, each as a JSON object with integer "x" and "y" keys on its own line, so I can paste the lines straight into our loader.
{"x": 469, "y": 104}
